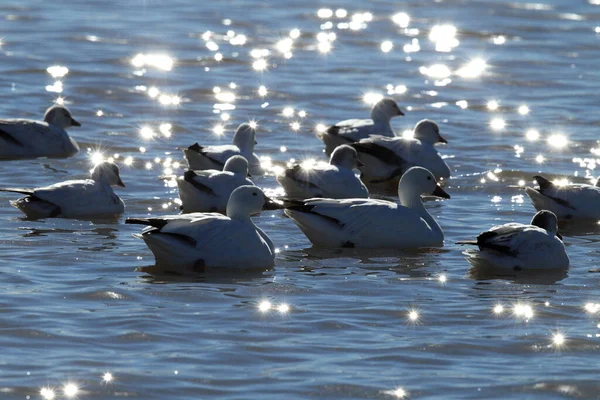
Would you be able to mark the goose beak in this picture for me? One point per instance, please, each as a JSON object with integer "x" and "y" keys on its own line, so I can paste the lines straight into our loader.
{"x": 400, "y": 112}
{"x": 359, "y": 164}
{"x": 255, "y": 142}
{"x": 120, "y": 183}
{"x": 439, "y": 192}
{"x": 441, "y": 139}
{"x": 75, "y": 122}
{"x": 558, "y": 235}
{"x": 271, "y": 204}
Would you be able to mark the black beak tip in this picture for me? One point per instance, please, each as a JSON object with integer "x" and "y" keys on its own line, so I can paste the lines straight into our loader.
{"x": 271, "y": 204}
{"x": 442, "y": 140}
{"x": 255, "y": 142}
{"x": 558, "y": 235}
{"x": 439, "y": 192}
{"x": 74, "y": 122}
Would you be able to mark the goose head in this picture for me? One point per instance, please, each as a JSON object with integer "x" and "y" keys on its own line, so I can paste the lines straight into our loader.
{"x": 60, "y": 116}
{"x": 546, "y": 220}
{"x": 107, "y": 172}
{"x": 428, "y": 131}
{"x": 247, "y": 200}
{"x": 245, "y": 137}
{"x": 346, "y": 157}
{"x": 417, "y": 181}
{"x": 385, "y": 109}
{"x": 237, "y": 165}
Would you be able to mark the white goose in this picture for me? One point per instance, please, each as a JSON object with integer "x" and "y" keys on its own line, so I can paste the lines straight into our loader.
{"x": 515, "y": 246}
{"x": 386, "y": 159}
{"x": 214, "y": 157}
{"x": 75, "y": 198}
{"x": 212, "y": 240}
{"x": 370, "y": 223}
{"x": 209, "y": 190}
{"x": 335, "y": 180}
{"x": 25, "y": 138}
{"x": 352, "y": 130}
{"x": 566, "y": 201}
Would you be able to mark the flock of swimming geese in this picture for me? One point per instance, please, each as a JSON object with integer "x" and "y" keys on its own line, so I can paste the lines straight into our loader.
{"x": 329, "y": 203}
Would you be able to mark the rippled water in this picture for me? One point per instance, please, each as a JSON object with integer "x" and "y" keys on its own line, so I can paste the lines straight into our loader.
{"x": 514, "y": 87}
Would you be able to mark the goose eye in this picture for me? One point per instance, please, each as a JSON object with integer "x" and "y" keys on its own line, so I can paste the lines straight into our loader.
{"x": 254, "y": 194}
{"x": 428, "y": 178}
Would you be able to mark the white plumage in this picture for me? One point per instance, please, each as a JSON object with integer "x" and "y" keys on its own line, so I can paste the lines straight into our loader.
{"x": 212, "y": 240}
{"x": 566, "y": 201}
{"x": 335, "y": 180}
{"x": 25, "y": 138}
{"x": 75, "y": 198}
{"x": 214, "y": 157}
{"x": 352, "y": 130}
{"x": 370, "y": 223}
{"x": 209, "y": 190}
{"x": 516, "y": 246}
{"x": 386, "y": 159}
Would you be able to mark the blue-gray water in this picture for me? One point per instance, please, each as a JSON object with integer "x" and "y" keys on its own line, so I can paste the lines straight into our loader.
{"x": 75, "y": 311}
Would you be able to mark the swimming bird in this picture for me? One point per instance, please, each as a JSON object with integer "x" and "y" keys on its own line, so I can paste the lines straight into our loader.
{"x": 214, "y": 157}
{"x": 92, "y": 197}
{"x": 371, "y": 223}
{"x": 352, "y": 130}
{"x": 566, "y": 201}
{"x": 26, "y": 138}
{"x": 209, "y": 190}
{"x": 212, "y": 240}
{"x": 335, "y": 180}
{"x": 386, "y": 159}
{"x": 516, "y": 246}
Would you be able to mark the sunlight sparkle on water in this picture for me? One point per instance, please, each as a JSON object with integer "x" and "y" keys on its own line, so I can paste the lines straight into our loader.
{"x": 444, "y": 37}
{"x": 260, "y": 64}
{"x": 159, "y": 61}
{"x": 492, "y": 105}
{"x": 412, "y": 47}
{"x": 436, "y": 71}
{"x": 413, "y": 316}
{"x": 523, "y": 311}
{"x": 387, "y": 46}
{"x": 70, "y": 390}
{"x": 442, "y": 279}
{"x": 57, "y": 71}
{"x": 47, "y": 393}
{"x": 498, "y": 309}
{"x": 264, "y": 306}
{"x": 592, "y": 308}
{"x": 499, "y": 39}
{"x": 558, "y": 340}
{"x": 523, "y": 109}
{"x": 218, "y": 130}
{"x": 371, "y": 98}
{"x": 262, "y": 91}
{"x": 146, "y": 132}
{"x": 497, "y": 124}
{"x": 320, "y": 128}
{"x": 558, "y": 140}
{"x": 295, "y": 126}
{"x": 283, "y": 308}
{"x": 473, "y": 69}
{"x": 97, "y": 158}
{"x": 107, "y": 377}
{"x": 295, "y": 33}
{"x": 540, "y": 159}
{"x": 532, "y": 135}
{"x": 401, "y": 19}
{"x": 324, "y": 47}
{"x": 399, "y": 393}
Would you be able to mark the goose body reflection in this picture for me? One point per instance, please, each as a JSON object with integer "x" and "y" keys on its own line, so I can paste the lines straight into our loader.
{"x": 25, "y": 138}
{"x": 212, "y": 240}
{"x": 353, "y": 130}
{"x": 214, "y": 157}
{"x": 566, "y": 201}
{"x": 335, "y": 180}
{"x": 371, "y": 223}
{"x": 92, "y": 197}
{"x": 515, "y": 246}
{"x": 209, "y": 190}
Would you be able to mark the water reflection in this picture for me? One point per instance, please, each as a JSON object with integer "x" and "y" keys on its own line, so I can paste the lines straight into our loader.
{"x": 483, "y": 272}
{"x": 173, "y": 273}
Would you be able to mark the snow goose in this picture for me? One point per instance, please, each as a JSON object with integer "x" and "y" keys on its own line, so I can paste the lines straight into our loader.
{"x": 335, "y": 180}
{"x": 370, "y": 223}
{"x": 386, "y": 159}
{"x": 25, "y": 138}
{"x": 566, "y": 201}
{"x": 75, "y": 198}
{"x": 212, "y": 240}
{"x": 515, "y": 246}
{"x": 209, "y": 190}
{"x": 352, "y": 130}
{"x": 214, "y": 157}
